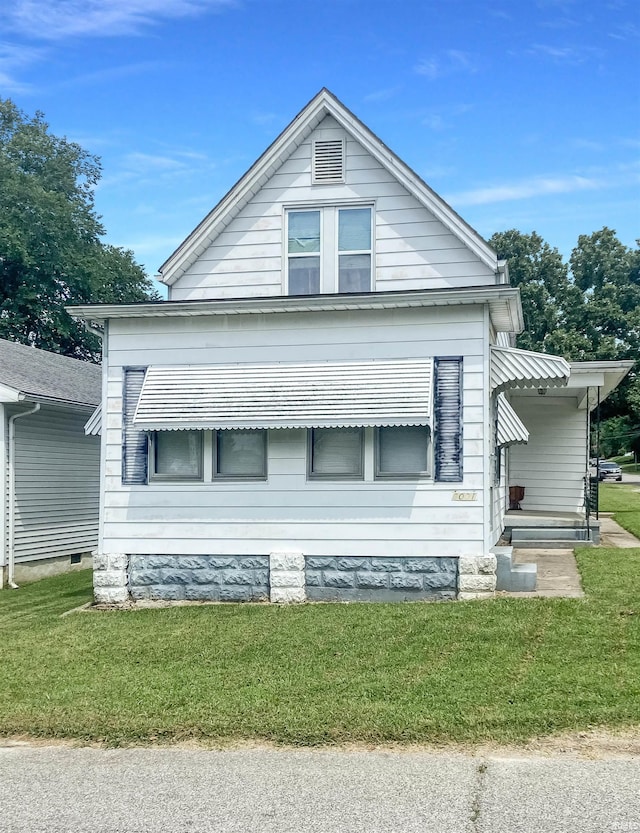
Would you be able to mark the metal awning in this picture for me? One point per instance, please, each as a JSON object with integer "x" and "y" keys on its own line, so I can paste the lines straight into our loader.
{"x": 511, "y": 429}
{"x": 512, "y": 368}
{"x": 286, "y": 395}
{"x": 93, "y": 426}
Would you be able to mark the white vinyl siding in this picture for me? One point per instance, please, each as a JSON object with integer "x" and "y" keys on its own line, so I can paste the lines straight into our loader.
{"x": 288, "y": 510}
{"x": 56, "y": 485}
{"x": 413, "y": 250}
{"x": 552, "y": 465}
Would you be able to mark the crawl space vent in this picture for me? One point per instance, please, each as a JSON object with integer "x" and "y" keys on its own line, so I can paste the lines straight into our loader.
{"x": 328, "y": 161}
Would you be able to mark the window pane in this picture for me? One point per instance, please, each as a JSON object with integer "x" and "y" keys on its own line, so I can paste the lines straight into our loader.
{"x": 403, "y": 449}
{"x": 241, "y": 454}
{"x": 178, "y": 453}
{"x": 304, "y": 231}
{"x": 336, "y": 451}
{"x": 355, "y": 273}
{"x": 354, "y": 230}
{"x": 304, "y": 275}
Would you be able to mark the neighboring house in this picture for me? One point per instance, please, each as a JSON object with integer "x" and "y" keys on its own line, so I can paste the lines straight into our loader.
{"x": 50, "y": 487}
{"x": 322, "y": 409}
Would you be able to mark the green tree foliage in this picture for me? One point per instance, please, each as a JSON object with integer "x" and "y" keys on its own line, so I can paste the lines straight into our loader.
{"x": 51, "y": 252}
{"x": 585, "y": 310}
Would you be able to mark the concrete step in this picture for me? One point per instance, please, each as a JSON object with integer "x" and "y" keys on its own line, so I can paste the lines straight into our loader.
{"x": 549, "y": 533}
{"x": 551, "y": 544}
{"x": 553, "y": 537}
{"x": 514, "y": 578}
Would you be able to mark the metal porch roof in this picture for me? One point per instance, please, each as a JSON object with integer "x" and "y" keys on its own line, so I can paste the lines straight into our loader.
{"x": 513, "y": 368}
{"x": 511, "y": 429}
{"x": 284, "y": 395}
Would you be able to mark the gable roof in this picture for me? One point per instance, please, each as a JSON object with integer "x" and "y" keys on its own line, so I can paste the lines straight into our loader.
{"x": 322, "y": 105}
{"x": 38, "y": 374}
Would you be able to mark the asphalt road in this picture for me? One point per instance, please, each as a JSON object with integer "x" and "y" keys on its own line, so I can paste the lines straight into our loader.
{"x": 55, "y": 789}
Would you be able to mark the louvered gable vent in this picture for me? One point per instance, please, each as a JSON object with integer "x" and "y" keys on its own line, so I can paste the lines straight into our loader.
{"x": 328, "y": 161}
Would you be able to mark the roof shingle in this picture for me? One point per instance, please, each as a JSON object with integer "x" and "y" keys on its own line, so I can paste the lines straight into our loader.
{"x": 40, "y": 374}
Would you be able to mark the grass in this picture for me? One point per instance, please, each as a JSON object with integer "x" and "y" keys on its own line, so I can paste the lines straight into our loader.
{"x": 623, "y": 499}
{"x": 502, "y": 671}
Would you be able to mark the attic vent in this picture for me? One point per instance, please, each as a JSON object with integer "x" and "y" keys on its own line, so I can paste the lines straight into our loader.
{"x": 328, "y": 161}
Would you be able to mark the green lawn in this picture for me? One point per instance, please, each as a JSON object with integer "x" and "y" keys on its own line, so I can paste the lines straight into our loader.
{"x": 502, "y": 670}
{"x": 623, "y": 499}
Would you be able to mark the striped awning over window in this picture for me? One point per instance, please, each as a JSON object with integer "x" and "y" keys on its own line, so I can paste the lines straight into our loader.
{"x": 512, "y": 368}
{"x": 511, "y": 429}
{"x": 286, "y": 395}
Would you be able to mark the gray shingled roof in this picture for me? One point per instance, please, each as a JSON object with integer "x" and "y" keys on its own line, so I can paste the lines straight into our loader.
{"x": 39, "y": 374}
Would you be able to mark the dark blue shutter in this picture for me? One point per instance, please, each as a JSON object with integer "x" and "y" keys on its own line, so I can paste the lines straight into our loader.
{"x": 134, "y": 442}
{"x": 448, "y": 419}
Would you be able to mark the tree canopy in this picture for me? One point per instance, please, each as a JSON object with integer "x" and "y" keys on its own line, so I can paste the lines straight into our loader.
{"x": 586, "y": 309}
{"x": 51, "y": 251}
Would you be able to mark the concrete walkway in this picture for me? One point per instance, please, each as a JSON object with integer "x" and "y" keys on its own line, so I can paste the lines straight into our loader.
{"x": 613, "y": 535}
{"x": 558, "y": 574}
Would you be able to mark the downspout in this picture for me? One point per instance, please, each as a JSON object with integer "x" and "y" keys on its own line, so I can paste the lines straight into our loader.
{"x": 12, "y": 489}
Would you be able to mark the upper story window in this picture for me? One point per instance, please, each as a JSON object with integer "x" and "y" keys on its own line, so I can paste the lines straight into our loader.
{"x": 329, "y": 249}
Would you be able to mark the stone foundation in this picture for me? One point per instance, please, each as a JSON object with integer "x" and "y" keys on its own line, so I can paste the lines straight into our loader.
{"x": 290, "y": 577}
{"x": 350, "y": 579}
{"x": 212, "y": 578}
{"x": 477, "y": 579}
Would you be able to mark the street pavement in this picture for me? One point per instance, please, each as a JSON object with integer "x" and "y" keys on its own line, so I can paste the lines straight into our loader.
{"x": 46, "y": 789}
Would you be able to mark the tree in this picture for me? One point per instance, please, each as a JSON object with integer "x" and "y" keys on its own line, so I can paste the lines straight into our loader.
{"x": 51, "y": 252}
{"x": 586, "y": 310}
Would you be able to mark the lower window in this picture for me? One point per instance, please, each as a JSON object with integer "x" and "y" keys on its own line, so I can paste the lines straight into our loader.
{"x": 402, "y": 451}
{"x": 240, "y": 454}
{"x": 176, "y": 455}
{"x": 336, "y": 452}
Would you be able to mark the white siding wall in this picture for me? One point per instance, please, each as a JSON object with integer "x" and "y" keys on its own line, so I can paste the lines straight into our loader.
{"x": 413, "y": 250}
{"x": 56, "y": 485}
{"x": 552, "y": 465}
{"x": 288, "y": 511}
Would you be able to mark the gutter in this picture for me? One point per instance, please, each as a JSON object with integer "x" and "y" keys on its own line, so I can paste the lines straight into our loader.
{"x": 11, "y": 495}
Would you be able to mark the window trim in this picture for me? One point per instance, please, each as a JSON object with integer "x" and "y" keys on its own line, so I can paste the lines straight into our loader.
{"x": 399, "y": 475}
{"x": 311, "y": 475}
{"x": 306, "y": 255}
{"x": 329, "y": 283}
{"x": 174, "y": 478}
{"x": 215, "y": 452}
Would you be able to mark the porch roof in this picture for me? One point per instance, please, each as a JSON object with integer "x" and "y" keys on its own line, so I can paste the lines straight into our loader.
{"x": 512, "y": 368}
{"x": 511, "y": 429}
{"x": 286, "y": 395}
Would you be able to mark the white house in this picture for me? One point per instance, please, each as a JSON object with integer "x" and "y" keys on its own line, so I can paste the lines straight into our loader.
{"x": 322, "y": 408}
{"x": 50, "y": 489}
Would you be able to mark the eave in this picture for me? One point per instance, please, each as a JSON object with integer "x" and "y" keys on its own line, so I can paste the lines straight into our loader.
{"x": 503, "y": 301}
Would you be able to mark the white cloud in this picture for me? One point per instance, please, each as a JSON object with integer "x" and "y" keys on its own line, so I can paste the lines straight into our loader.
{"x": 574, "y": 55}
{"x": 525, "y": 189}
{"x": 59, "y": 19}
{"x": 383, "y": 94}
{"x": 446, "y": 63}
{"x": 13, "y": 58}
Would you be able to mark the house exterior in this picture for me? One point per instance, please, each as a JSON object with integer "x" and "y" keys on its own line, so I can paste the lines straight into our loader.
{"x": 322, "y": 408}
{"x": 49, "y": 490}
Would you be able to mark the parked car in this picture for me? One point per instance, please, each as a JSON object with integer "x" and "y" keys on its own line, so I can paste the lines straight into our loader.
{"x": 609, "y": 471}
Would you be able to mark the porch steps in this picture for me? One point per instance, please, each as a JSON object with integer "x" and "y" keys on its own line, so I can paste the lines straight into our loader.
{"x": 513, "y": 578}
{"x": 553, "y": 537}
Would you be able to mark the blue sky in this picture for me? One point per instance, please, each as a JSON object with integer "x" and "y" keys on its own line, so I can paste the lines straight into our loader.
{"x": 520, "y": 113}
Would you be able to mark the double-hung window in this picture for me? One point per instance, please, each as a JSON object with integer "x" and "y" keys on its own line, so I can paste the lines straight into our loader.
{"x": 176, "y": 455}
{"x": 241, "y": 454}
{"x": 329, "y": 250}
{"x": 336, "y": 453}
{"x": 403, "y": 451}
